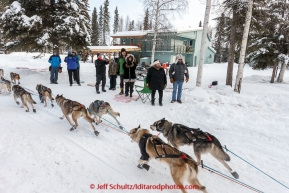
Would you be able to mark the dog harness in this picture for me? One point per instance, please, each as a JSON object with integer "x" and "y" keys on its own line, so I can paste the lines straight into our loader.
{"x": 194, "y": 133}
{"x": 158, "y": 142}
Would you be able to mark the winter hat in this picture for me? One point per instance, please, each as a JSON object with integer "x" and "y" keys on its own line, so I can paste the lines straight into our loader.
{"x": 122, "y": 50}
{"x": 156, "y": 62}
{"x": 73, "y": 51}
{"x": 69, "y": 52}
{"x": 180, "y": 56}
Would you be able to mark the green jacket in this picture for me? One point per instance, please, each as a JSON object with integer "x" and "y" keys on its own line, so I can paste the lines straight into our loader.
{"x": 120, "y": 63}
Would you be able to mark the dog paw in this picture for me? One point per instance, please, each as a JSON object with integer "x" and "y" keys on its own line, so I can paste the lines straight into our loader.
{"x": 72, "y": 128}
{"x": 61, "y": 118}
{"x": 27, "y": 111}
{"x": 96, "y": 133}
{"x": 52, "y": 105}
{"x": 17, "y": 103}
{"x": 34, "y": 110}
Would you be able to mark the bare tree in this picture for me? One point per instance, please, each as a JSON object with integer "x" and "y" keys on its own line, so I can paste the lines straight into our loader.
{"x": 120, "y": 25}
{"x": 203, "y": 44}
{"x": 243, "y": 47}
{"x": 160, "y": 11}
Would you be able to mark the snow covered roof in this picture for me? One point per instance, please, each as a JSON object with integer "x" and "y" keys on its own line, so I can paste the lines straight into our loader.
{"x": 189, "y": 29}
{"x": 131, "y": 33}
{"x": 113, "y": 48}
{"x": 145, "y": 32}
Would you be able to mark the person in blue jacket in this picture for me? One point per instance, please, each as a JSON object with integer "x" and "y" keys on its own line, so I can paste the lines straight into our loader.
{"x": 55, "y": 62}
{"x": 71, "y": 67}
{"x": 78, "y": 65}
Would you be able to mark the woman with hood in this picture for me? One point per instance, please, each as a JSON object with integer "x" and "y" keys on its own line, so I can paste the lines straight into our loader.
{"x": 156, "y": 81}
{"x": 129, "y": 76}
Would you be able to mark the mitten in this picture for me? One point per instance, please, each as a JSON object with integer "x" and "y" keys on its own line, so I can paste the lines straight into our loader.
{"x": 171, "y": 80}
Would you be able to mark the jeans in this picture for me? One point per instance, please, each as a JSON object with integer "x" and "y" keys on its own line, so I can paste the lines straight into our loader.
{"x": 53, "y": 75}
{"x": 177, "y": 85}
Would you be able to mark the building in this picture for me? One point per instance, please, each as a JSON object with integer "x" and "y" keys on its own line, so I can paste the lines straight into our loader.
{"x": 169, "y": 44}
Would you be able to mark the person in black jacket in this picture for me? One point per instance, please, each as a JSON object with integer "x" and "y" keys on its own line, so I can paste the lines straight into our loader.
{"x": 129, "y": 76}
{"x": 156, "y": 81}
{"x": 100, "y": 72}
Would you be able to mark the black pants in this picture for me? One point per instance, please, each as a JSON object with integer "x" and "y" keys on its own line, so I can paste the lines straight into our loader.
{"x": 100, "y": 78}
{"x": 129, "y": 87}
{"x": 121, "y": 81}
{"x": 77, "y": 72}
{"x": 113, "y": 81}
{"x": 74, "y": 75}
{"x": 160, "y": 94}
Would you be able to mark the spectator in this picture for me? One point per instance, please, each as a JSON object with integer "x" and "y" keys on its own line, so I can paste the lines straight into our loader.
{"x": 112, "y": 75}
{"x": 71, "y": 67}
{"x": 100, "y": 72}
{"x": 77, "y": 64}
{"x": 129, "y": 76}
{"x": 177, "y": 72}
{"x": 120, "y": 70}
{"x": 55, "y": 62}
{"x": 156, "y": 81}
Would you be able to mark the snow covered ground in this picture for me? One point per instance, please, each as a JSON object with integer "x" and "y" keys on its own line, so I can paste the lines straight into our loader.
{"x": 39, "y": 154}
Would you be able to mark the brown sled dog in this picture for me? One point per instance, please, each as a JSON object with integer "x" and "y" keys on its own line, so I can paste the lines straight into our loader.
{"x": 76, "y": 110}
{"x": 25, "y": 97}
{"x": 99, "y": 108}
{"x": 202, "y": 142}
{"x": 44, "y": 92}
{"x": 14, "y": 77}
{"x": 182, "y": 166}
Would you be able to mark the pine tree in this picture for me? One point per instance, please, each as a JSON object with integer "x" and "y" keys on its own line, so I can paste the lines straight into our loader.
{"x": 120, "y": 25}
{"x": 221, "y": 38}
{"x": 127, "y": 23}
{"x": 106, "y": 23}
{"x": 44, "y": 25}
{"x": 146, "y": 20}
{"x": 116, "y": 21}
{"x": 94, "y": 28}
{"x": 131, "y": 26}
{"x": 200, "y": 24}
{"x": 100, "y": 26}
{"x": 151, "y": 25}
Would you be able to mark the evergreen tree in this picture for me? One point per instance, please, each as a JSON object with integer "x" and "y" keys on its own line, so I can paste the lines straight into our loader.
{"x": 146, "y": 20}
{"x": 131, "y": 26}
{"x": 120, "y": 25}
{"x": 116, "y": 21}
{"x": 40, "y": 24}
{"x": 94, "y": 28}
{"x": 106, "y": 23}
{"x": 221, "y": 38}
{"x": 100, "y": 26}
{"x": 200, "y": 24}
{"x": 151, "y": 25}
{"x": 127, "y": 23}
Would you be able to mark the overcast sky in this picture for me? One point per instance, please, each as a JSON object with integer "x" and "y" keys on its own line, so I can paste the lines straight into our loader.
{"x": 134, "y": 9}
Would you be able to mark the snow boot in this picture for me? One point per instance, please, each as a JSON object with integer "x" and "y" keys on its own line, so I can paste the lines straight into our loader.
{"x": 97, "y": 89}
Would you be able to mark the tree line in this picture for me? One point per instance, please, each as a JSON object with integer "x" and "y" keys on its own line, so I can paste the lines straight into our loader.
{"x": 268, "y": 39}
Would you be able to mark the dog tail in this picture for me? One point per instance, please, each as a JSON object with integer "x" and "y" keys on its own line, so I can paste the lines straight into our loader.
{"x": 87, "y": 114}
{"x": 223, "y": 155}
{"x": 31, "y": 99}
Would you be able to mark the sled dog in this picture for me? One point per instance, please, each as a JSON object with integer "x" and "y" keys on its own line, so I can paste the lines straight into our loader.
{"x": 14, "y": 77}
{"x": 99, "y": 108}
{"x": 182, "y": 166}
{"x": 25, "y": 97}
{"x": 44, "y": 92}
{"x": 76, "y": 110}
{"x": 4, "y": 87}
{"x": 9, "y": 85}
{"x": 202, "y": 142}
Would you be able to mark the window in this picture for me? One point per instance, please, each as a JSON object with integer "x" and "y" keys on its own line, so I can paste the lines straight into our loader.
{"x": 123, "y": 41}
{"x": 210, "y": 56}
{"x": 185, "y": 43}
{"x": 191, "y": 42}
